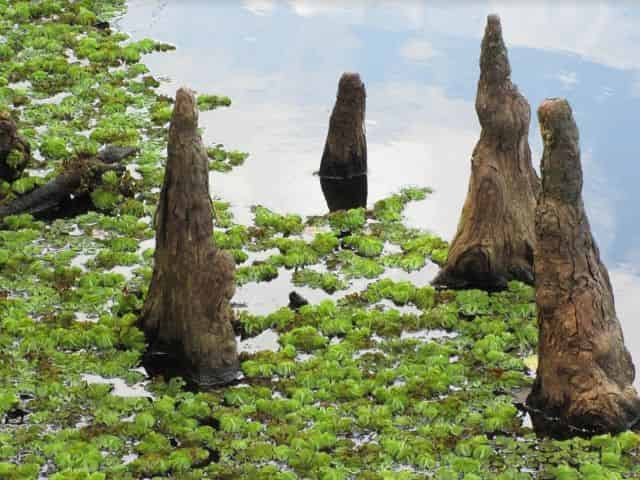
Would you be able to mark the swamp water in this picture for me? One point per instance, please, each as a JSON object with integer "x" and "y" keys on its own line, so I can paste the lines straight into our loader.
{"x": 280, "y": 63}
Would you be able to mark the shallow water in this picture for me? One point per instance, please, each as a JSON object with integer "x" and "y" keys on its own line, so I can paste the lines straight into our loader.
{"x": 119, "y": 386}
{"x": 280, "y": 62}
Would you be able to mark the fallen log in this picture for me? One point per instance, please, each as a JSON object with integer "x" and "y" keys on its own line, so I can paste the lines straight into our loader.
{"x": 78, "y": 178}
{"x": 495, "y": 238}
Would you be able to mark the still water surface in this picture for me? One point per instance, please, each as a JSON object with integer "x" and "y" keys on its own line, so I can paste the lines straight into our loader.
{"x": 280, "y": 63}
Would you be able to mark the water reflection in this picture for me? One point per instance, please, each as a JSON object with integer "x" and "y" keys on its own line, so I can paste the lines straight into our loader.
{"x": 421, "y": 76}
{"x": 344, "y": 193}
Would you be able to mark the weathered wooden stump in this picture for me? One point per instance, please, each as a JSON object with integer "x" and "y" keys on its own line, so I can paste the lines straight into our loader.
{"x": 343, "y": 169}
{"x": 585, "y": 373}
{"x": 495, "y": 238}
{"x": 187, "y": 317}
{"x": 69, "y": 192}
{"x": 15, "y": 153}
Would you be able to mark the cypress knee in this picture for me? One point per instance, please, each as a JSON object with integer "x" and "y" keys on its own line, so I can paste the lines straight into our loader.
{"x": 495, "y": 238}
{"x": 15, "y": 153}
{"x": 187, "y": 317}
{"x": 585, "y": 373}
{"x": 343, "y": 169}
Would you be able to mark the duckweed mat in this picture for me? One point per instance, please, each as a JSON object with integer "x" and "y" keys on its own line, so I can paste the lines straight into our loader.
{"x": 381, "y": 380}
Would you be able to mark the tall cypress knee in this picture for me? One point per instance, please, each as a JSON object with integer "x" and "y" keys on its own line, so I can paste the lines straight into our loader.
{"x": 343, "y": 169}
{"x": 495, "y": 238}
{"x": 187, "y": 315}
{"x": 585, "y": 373}
{"x": 15, "y": 153}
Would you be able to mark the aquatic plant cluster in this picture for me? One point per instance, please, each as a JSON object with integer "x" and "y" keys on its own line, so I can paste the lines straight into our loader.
{"x": 395, "y": 381}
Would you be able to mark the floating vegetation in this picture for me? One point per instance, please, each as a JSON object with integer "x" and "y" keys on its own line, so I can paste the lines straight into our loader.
{"x": 222, "y": 160}
{"x": 210, "y": 102}
{"x": 328, "y": 282}
{"x": 358, "y": 387}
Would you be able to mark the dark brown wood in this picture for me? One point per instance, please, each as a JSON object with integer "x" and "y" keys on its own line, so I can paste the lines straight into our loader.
{"x": 187, "y": 315}
{"x": 495, "y": 238}
{"x": 343, "y": 168}
{"x": 585, "y": 373}
{"x": 61, "y": 196}
{"x": 12, "y": 147}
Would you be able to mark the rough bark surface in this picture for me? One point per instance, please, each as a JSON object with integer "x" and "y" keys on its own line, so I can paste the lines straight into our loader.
{"x": 57, "y": 197}
{"x": 495, "y": 238}
{"x": 343, "y": 169}
{"x": 15, "y": 153}
{"x": 187, "y": 316}
{"x": 585, "y": 373}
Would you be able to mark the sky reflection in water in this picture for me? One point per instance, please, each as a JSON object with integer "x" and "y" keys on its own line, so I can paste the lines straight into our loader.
{"x": 280, "y": 63}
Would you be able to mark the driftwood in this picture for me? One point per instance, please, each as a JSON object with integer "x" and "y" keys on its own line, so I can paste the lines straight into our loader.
{"x": 584, "y": 382}
{"x": 187, "y": 317}
{"x": 495, "y": 239}
{"x": 15, "y": 153}
{"x": 79, "y": 177}
{"x": 343, "y": 168}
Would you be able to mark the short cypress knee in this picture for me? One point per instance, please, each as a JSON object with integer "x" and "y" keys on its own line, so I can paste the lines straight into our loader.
{"x": 343, "y": 169}
{"x": 495, "y": 237}
{"x": 187, "y": 317}
{"x": 585, "y": 373}
{"x": 15, "y": 153}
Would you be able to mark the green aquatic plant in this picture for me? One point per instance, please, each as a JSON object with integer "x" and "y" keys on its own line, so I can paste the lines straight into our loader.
{"x": 390, "y": 209}
{"x": 258, "y": 272}
{"x": 161, "y": 113}
{"x": 210, "y": 102}
{"x": 325, "y": 242}
{"x": 293, "y": 253}
{"x": 354, "y": 266}
{"x": 304, "y": 338}
{"x": 347, "y": 220}
{"x": 223, "y": 217}
{"x": 16, "y": 159}
{"x": 222, "y": 160}
{"x": 54, "y": 148}
{"x": 118, "y": 128}
{"x": 285, "y": 224}
{"x": 26, "y": 184}
{"x": 235, "y": 237}
{"x": 364, "y": 245}
{"x": 105, "y": 199}
{"x": 328, "y": 282}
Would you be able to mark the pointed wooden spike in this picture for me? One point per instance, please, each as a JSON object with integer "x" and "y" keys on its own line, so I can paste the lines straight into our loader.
{"x": 187, "y": 317}
{"x": 495, "y": 237}
{"x": 584, "y": 382}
